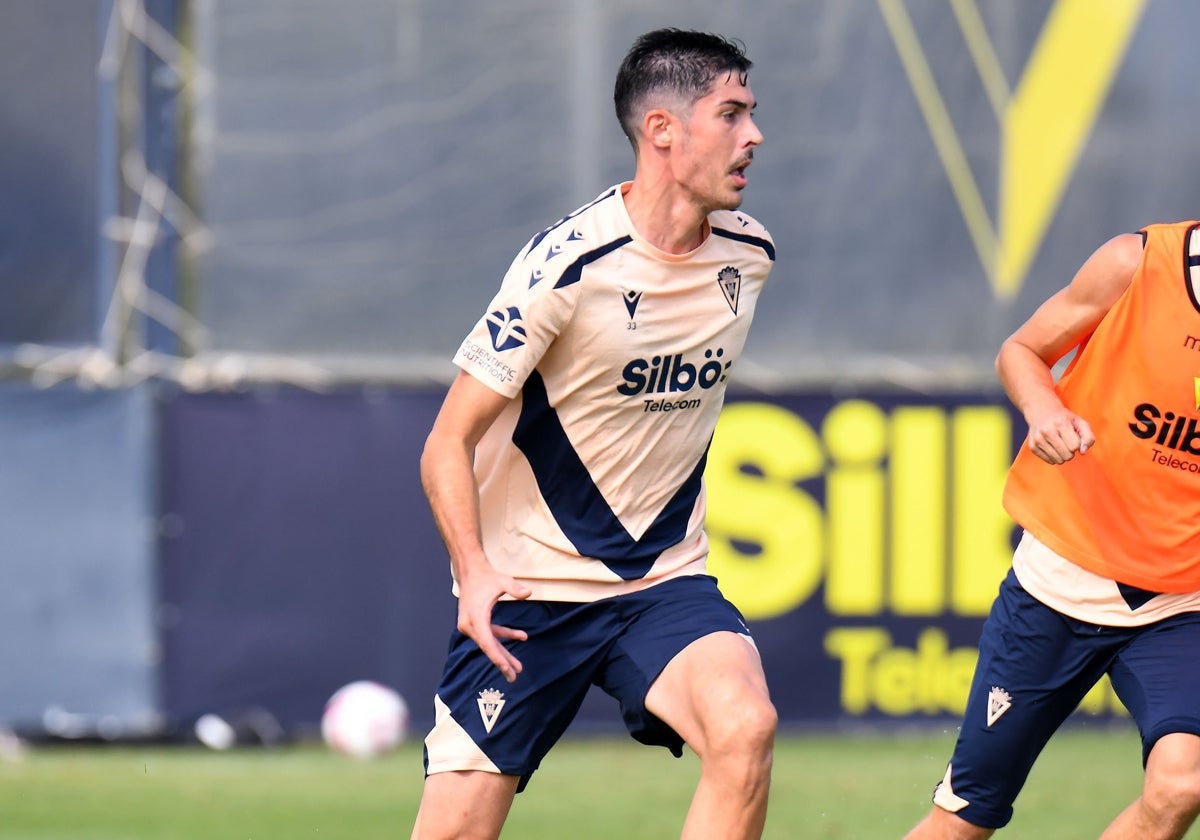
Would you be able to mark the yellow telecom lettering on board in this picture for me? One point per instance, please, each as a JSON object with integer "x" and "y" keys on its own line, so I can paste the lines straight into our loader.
{"x": 931, "y": 679}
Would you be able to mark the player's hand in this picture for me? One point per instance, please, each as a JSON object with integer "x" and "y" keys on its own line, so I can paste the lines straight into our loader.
{"x": 1057, "y": 435}
{"x": 476, "y": 598}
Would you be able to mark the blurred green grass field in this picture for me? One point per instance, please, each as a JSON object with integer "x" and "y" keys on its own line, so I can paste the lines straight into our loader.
{"x": 870, "y": 786}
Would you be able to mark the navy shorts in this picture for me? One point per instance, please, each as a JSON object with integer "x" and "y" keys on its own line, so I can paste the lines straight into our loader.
{"x": 1035, "y": 666}
{"x": 620, "y": 644}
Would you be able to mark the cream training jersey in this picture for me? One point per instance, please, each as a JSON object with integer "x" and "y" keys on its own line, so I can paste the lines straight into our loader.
{"x": 1086, "y": 596}
{"x": 616, "y": 356}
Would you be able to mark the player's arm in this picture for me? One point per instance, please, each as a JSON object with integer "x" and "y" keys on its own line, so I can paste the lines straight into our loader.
{"x": 468, "y": 411}
{"x": 1027, "y": 357}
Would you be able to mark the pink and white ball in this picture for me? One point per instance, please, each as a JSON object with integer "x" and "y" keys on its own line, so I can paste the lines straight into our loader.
{"x": 365, "y": 719}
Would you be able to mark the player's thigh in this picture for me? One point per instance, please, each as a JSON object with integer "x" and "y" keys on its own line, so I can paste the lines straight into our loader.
{"x": 460, "y": 805}
{"x": 1157, "y": 679}
{"x": 651, "y": 661}
{"x": 714, "y": 689}
{"x": 1035, "y": 665}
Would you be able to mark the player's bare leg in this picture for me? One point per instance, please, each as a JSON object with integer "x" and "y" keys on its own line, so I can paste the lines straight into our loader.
{"x": 943, "y": 825}
{"x": 1170, "y": 797}
{"x": 714, "y": 694}
{"x": 469, "y": 805}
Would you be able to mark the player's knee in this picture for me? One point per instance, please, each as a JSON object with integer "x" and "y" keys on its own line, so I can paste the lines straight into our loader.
{"x": 1174, "y": 794}
{"x": 745, "y": 728}
{"x": 1172, "y": 787}
{"x": 763, "y": 724}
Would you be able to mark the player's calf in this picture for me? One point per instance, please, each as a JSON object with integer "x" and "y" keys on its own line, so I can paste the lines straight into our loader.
{"x": 942, "y": 825}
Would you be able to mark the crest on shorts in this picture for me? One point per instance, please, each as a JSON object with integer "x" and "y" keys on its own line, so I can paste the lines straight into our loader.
{"x": 730, "y": 281}
{"x": 490, "y": 701}
{"x": 999, "y": 702}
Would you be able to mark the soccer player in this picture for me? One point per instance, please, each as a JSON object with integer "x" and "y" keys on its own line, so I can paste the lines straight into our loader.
{"x": 565, "y": 468}
{"x": 1106, "y": 578}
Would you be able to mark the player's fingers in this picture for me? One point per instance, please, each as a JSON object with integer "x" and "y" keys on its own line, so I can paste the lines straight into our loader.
{"x": 509, "y": 633}
{"x": 508, "y": 663}
{"x": 487, "y": 636}
{"x": 1067, "y": 442}
{"x": 476, "y": 622}
{"x": 1045, "y": 449}
{"x": 482, "y": 633}
{"x": 1057, "y": 442}
{"x": 1087, "y": 439}
{"x": 503, "y": 659}
{"x": 515, "y": 589}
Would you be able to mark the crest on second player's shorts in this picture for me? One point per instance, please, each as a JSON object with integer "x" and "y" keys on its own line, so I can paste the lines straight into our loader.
{"x": 730, "y": 281}
{"x": 999, "y": 702}
{"x": 490, "y": 701}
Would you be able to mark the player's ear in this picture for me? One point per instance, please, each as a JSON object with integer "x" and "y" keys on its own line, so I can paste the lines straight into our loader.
{"x": 659, "y": 128}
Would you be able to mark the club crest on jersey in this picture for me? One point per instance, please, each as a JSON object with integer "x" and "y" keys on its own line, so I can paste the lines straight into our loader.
{"x": 730, "y": 281}
{"x": 631, "y": 301}
{"x": 490, "y": 701}
{"x": 999, "y": 702}
{"x": 507, "y": 328}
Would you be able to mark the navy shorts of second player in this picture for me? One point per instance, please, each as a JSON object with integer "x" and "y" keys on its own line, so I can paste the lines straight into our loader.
{"x": 1035, "y": 666}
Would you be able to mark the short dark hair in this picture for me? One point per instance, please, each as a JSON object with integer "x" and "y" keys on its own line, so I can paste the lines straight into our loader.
{"x": 678, "y": 62}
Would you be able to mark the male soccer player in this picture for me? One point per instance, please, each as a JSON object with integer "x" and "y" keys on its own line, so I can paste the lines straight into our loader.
{"x": 565, "y": 468}
{"x": 1106, "y": 578}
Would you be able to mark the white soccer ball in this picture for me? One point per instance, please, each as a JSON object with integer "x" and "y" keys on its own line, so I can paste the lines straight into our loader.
{"x": 364, "y": 719}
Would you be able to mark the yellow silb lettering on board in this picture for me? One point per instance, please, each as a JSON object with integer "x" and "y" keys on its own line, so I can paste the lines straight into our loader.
{"x": 855, "y": 433}
{"x": 917, "y": 480}
{"x": 981, "y": 538}
{"x": 766, "y": 535}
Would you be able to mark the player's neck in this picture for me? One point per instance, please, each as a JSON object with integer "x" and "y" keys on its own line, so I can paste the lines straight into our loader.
{"x": 665, "y": 217}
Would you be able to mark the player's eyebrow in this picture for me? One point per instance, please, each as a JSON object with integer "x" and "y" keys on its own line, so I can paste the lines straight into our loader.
{"x": 740, "y": 104}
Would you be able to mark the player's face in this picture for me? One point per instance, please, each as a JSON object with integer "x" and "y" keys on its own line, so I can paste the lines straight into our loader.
{"x": 719, "y": 141}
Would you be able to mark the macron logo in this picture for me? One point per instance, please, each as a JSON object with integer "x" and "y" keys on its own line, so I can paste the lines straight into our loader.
{"x": 507, "y": 329}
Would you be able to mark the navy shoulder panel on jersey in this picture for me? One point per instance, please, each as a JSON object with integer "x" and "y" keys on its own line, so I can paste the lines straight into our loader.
{"x": 757, "y": 241}
{"x": 534, "y": 242}
{"x": 574, "y": 271}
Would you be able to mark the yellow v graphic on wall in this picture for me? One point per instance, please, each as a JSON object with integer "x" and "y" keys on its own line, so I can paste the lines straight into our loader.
{"x": 1044, "y": 123}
